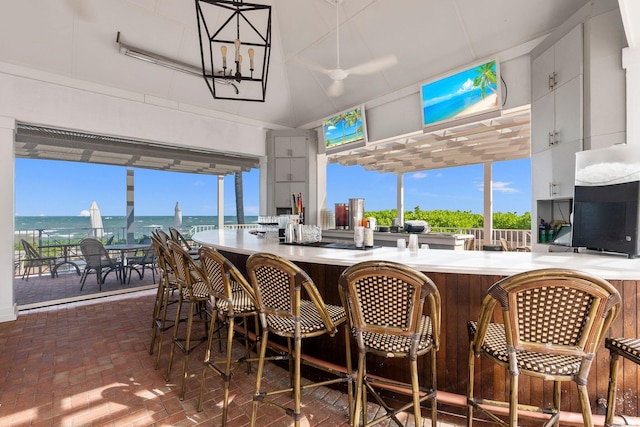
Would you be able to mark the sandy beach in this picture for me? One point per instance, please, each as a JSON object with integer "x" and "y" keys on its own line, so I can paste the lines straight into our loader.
{"x": 483, "y": 105}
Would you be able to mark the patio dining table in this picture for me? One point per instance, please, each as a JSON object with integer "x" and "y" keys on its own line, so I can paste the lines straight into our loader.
{"x": 65, "y": 256}
{"x": 124, "y": 249}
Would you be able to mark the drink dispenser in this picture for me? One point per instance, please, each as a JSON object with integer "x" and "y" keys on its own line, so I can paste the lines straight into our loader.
{"x": 342, "y": 216}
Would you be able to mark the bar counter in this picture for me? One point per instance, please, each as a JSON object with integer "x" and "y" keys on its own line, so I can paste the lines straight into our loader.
{"x": 462, "y": 278}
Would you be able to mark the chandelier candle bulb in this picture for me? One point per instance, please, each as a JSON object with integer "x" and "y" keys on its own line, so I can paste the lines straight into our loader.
{"x": 251, "y": 52}
{"x": 237, "y": 45}
{"x": 223, "y": 49}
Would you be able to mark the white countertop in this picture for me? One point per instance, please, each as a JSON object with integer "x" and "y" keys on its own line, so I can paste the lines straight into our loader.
{"x": 607, "y": 266}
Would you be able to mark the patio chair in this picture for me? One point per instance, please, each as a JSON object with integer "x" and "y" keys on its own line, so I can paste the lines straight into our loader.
{"x": 139, "y": 263}
{"x": 35, "y": 260}
{"x": 554, "y": 320}
{"x": 385, "y": 302}
{"x": 97, "y": 261}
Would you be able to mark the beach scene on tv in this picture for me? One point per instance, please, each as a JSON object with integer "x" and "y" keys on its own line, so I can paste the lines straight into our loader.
{"x": 468, "y": 92}
{"x": 343, "y": 128}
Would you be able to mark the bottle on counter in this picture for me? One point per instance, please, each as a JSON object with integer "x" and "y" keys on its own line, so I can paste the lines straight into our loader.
{"x": 368, "y": 234}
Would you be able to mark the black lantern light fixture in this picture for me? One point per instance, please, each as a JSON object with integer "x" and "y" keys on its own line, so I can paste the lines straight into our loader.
{"x": 236, "y": 52}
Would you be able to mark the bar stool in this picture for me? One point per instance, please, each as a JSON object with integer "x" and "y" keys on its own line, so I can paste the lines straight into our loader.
{"x": 629, "y": 348}
{"x": 385, "y": 302}
{"x": 232, "y": 298}
{"x": 167, "y": 287}
{"x": 278, "y": 286}
{"x": 195, "y": 292}
{"x": 553, "y": 322}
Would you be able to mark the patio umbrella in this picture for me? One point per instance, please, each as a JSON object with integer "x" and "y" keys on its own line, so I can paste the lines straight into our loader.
{"x": 177, "y": 217}
{"x": 97, "y": 229}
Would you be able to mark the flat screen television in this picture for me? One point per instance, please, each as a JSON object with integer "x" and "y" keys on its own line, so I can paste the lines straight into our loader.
{"x": 605, "y": 218}
{"x": 345, "y": 130}
{"x": 466, "y": 95}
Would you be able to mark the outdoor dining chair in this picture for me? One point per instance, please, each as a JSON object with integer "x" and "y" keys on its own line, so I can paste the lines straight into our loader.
{"x": 139, "y": 263}
{"x": 97, "y": 261}
{"x": 35, "y": 260}
{"x": 386, "y": 304}
{"x": 554, "y": 320}
{"x": 279, "y": 286}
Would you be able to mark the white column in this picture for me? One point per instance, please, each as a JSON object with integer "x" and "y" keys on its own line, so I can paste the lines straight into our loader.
{"x": 400, "y": 197}
{"x": 631, "y": 64}
{"x": 220, "y": 202}
{"x": 262, "y": 200}
{"x": 488, "y": 203}
{"x": 8, "y": 307}
{"x": 130, "y": 205}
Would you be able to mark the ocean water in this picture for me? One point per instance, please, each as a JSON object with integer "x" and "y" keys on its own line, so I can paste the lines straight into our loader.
{"x": 74, "y": 227}
{"x": 449, "y": 107}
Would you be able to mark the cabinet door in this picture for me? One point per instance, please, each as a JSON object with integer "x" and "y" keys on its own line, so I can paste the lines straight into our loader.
{"x": 282, "y": 146}
{"x": 542, "y": 68}
{"x": 282, "y": 195}
{"x": 541, "y": 175}
{"x": 298, "y": 146}
{"x": 543, "y": 122}
{"x": 283, "y": 169}
{"x": 298, "y": 168}
{"x": 563, "y": 162}
{"x": 568, "y": 106}
{"x": 568, "y": 56}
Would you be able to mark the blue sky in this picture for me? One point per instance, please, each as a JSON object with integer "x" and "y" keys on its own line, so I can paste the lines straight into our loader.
{"x": 55, "y": 188}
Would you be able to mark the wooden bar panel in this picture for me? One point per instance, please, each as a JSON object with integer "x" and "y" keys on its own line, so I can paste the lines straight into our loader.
{"x": 461, "y": 299}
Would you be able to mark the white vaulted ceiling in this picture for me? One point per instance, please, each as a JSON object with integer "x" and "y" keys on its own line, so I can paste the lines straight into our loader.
{"x": 77, "y": 39}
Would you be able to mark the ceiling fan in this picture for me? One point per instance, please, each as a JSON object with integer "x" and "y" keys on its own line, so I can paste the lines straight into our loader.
{"x": 339, "y": 74}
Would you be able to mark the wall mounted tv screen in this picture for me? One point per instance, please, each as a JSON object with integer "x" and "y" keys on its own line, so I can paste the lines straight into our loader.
{"x": 462, "y": 96}
{"x": 345, "y": 130}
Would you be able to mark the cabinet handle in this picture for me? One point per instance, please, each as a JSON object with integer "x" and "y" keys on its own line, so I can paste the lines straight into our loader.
{"x": 553, "y": 80}
{"x": 553, "y": 138}
{"x": 553, "y": 189}
{"x": 290, "y": 152}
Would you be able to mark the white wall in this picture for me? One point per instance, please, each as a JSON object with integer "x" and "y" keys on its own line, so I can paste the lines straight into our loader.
{"x": 109, "y": 112}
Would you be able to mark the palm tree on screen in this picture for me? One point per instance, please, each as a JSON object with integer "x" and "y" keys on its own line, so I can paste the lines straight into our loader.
{"x": 486, "y": 78}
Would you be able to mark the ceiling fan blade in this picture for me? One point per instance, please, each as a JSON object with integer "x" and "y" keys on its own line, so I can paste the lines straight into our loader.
{"x": 336, "y": 88}
{"x": 312, "y": 66}
{"x": 374, "y": 65}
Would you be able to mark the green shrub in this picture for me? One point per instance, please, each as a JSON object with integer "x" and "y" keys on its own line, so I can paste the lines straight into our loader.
{"x": 455, "y": 219}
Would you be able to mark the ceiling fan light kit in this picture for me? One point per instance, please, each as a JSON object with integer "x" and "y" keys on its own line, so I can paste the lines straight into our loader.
{"x": 245, "y": 32}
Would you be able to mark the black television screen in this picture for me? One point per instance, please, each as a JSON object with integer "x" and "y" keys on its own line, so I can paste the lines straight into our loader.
{"x": 605, "y": 218}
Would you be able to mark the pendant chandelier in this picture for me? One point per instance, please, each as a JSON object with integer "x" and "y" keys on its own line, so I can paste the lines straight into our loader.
{"x": 237, "y": 51}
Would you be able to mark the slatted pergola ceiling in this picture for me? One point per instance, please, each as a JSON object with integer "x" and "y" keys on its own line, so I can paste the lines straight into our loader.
{"x": 507, "y": 137}
{"x": 36, "y": 142}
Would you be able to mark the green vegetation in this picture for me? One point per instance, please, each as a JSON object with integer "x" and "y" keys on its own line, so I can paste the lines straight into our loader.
{"x": 456, "y": 219}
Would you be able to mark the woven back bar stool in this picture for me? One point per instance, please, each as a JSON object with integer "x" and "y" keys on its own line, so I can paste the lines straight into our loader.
{"x": 289, "y": 305}
{"x": 194, "y": 291}
{"x": 232, "y": 300}
{"x": 385, "y": 302}
{"x": 629, "y": 348}
{"x": 166, "y": 295}
{"x": 553, "y": 322}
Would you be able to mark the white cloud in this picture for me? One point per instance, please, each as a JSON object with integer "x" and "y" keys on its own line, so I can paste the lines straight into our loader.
{"x": 504, "y": 187}
{"x": 84, "y": 212}
{"x": 419, "y": 175}
{"x": 466, "y": 86}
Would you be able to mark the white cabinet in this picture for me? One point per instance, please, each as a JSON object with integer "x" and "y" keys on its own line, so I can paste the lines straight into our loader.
{"x": 553, "y": 171}
{"x": 291, "y": 159}
{"x": 556, "y": 117}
